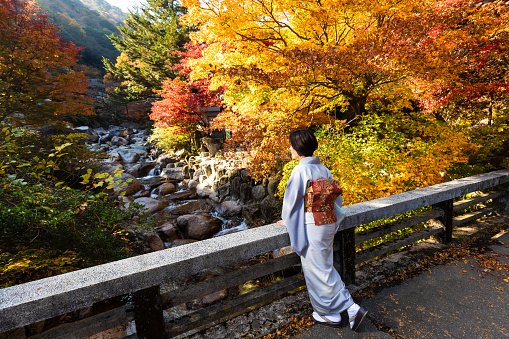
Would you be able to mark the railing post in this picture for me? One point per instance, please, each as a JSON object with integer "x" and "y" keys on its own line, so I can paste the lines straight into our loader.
{"x": 446, "y": 220}
{"x": 148, "y": 314}
{"x": 504, "y": 199}
{"x": 344, "y": 257}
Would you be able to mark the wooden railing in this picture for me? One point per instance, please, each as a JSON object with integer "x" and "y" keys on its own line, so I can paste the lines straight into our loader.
{"x": 135, "y": 283}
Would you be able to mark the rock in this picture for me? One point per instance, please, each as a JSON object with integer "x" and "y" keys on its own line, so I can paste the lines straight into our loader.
{"x": 141, "y": 170}
{"x": 119, "y": 141}
{"x": 125, "y": 201}
{"x": 235, "y": 188}
{"x": 258, "y": 192}
{"x": 252, "y": 215}
{"x": 272, "y": 187}
{"x": 114, "y": 155}
{"x": 214, "y": 197}
{"x": 206, "y": 207}
{"x": 152, "y": 205}
{"x": 93, "y": 138}
{"x": 128, "y": 156}
{"x": 145, "y": 241}
{"x": 245, "y": 192}
{"x": 267, "y": 208}
{"x": 168, "y": 231}
{"x": 212, "y": 145}
{"x": 198, "y": 226}
{"x": 203, "y": 190}
{"x": 244, "y": 175}
{"x": 229, "y": 209}
{"x": 172, "y": 173}
{"x": 155, "y": 243}
{"x": 104, "y": 138}
{"x": 223, "y": 191}
{"x": 130, "y": 187}
{"x": 192, "y": 184}
{"x": 165, "y": 159}
{"x": 180, "y": 242}
{"x": 140, "y": 194}
{"x": 164, "y": 189}
{"x": 181, "y": 195}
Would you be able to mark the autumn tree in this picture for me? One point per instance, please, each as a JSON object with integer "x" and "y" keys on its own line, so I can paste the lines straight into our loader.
{"x": 147, "y": 41}
{"x": 291, "y": 64}
{"x": 37, "y": 82}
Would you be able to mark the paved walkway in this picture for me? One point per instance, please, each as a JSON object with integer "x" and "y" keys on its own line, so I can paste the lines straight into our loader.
{"x": 462, "y": 299}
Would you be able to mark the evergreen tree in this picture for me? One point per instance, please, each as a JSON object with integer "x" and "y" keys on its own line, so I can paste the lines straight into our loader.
{"x": 147, "y": 41}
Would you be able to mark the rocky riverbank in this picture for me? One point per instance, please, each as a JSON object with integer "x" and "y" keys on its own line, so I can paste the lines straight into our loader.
{"x": 191, "y": 198}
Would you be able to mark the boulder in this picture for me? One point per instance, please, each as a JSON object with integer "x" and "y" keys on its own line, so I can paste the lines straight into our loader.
{"x": 152, "y": 205}
{"x": 267, "y": 206}
{"x": 198, "y": 226}
{"x": 168, "y": 231}
{"x": 119, "y": 141}
{"x": 155, "y": 243}
{"x": 125, "y": 201}
{"x": 164, "y": 189}
{"x": 245, "y": 192}
{"x": 128, "y": 156}
{"x": 223, "y": 191}
{"x": 141, "y": 170}
{"x": 252, "y": 215}
{"x": 229, "y": 209}
{"x": 203, "y": 190}
{"x": 140, "y": 194}
{"x": 130, "y": 187}
{"x": 172, "y": 173}
{"x": 258, "y": 192}
{"x": 235, "y": 188}
{"x": 165, "y": 159}
{"x": 272, "y": 187}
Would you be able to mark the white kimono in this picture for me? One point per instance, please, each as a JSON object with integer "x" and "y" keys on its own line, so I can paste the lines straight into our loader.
{"x": 314, "y": 244}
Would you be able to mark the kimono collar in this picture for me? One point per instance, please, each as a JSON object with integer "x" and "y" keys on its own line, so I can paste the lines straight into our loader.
{"x": 310, "y": 160}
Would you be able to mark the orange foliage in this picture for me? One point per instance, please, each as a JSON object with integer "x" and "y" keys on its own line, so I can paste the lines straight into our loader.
{"x": 36, "y": 79}
{"x": 291, "y": 64}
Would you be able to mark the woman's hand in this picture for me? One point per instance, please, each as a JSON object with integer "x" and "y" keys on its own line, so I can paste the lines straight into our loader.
{"x": 280, "y": 222}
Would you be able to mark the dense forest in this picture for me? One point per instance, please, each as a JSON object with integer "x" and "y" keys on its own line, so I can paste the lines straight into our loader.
{"x": 87, "y": 24}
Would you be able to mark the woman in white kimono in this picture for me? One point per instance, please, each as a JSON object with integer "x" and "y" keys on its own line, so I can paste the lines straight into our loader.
{"x": 327, "y": 292}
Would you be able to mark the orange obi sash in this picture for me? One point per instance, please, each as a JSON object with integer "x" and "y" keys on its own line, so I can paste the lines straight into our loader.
{"x": 319, "y": 199}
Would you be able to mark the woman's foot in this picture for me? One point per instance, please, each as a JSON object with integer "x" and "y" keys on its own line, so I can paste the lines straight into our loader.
{"x": 333, "y": 320}
{"x": 356, "y": 315}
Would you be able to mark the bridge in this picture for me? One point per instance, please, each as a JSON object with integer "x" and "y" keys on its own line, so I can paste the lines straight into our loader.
{"x": 144, "y": 294}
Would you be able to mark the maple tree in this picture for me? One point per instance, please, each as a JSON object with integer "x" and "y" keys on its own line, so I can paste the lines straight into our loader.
{"x": 37, "y": 82}
{"x": 147, "y": 41}
{"x": 291, "y": 64}
{"x": 181, "y": 110}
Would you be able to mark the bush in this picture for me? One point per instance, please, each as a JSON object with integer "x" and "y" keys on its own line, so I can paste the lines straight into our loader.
{"x": 46, "y": 226}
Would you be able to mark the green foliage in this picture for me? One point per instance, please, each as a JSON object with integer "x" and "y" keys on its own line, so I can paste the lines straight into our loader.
{"x": 48, "y": 227}
{"x": 165, "y": 139}
{"x": 147, "y": 43}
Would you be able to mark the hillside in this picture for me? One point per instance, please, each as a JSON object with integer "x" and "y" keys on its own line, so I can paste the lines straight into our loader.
{"x": 87, "y": 23}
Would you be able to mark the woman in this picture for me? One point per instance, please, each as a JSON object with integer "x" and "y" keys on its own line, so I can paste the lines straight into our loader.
{"x": 313, "y": 242}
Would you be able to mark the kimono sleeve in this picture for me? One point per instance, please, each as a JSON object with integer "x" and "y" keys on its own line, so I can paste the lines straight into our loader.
{"x": 293, "y": 211}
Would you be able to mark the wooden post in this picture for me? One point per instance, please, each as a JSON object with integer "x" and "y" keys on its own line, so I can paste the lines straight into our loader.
{"x": 148, "y": 314}
{"x": 446, "y": 220}
{"x": 344, "y": 257}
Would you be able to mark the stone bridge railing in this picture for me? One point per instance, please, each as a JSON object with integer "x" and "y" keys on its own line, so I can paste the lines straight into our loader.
{"x": 134, "y": 284}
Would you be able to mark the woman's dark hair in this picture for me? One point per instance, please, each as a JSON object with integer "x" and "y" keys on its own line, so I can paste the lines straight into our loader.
{"x": 303, "y": 142}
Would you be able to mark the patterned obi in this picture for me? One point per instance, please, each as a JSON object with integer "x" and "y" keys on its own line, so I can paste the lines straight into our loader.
{"x": 319, "y": 199}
